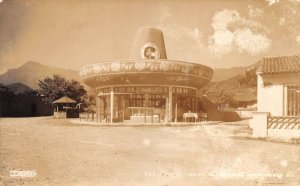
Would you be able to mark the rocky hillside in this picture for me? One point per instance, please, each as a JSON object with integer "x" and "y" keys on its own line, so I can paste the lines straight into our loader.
{"x": 240, "y": 87}
{"x": 29, "y": 74}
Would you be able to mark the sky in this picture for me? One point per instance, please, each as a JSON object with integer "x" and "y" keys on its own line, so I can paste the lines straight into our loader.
{"x": 217, "y": 33}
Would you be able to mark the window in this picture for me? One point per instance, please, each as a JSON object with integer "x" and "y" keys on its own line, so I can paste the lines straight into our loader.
{"x": 104, "y": 90}
{"x": 157, "y": 100}
{"x": 293, "y": 100}
{"x": 138, "y": 100}
{"x": 130, "y": 89}
{"x": 120, "y": 89}
{"x": 179, "y": 90}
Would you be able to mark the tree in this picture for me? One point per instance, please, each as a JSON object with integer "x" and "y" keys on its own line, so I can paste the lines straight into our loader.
{"x": 57, "y": 87}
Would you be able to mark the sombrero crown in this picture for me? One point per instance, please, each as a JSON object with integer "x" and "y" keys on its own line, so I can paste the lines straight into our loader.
{"x": 148, "y": 44}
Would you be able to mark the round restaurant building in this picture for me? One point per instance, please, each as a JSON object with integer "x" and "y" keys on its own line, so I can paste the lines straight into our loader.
{"x": 148, "y": 87}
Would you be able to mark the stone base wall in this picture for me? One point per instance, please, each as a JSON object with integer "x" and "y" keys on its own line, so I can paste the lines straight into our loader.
{"x": 283, "y": 133}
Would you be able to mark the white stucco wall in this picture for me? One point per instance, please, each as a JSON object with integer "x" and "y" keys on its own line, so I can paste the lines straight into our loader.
{"x": 270, "y": 98}
{"x": 272, "y": 92}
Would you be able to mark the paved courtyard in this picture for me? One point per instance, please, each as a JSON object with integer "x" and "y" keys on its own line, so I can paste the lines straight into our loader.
{"x": 58, "y": 152}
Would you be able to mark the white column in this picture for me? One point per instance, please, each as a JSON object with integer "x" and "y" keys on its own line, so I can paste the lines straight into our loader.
{"x": 285, "y": 101}
{"x": 167, "y": 110}
{"x": 111, "y": 105}
{"x": 98, "y": 108}
{"x": 260, "y": 101}
{"x": 170, "y": 104}
{"x": 259, "y": 124}
{"x": 176, "y": 110}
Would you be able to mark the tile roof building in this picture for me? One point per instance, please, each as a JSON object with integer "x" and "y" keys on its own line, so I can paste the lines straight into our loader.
{"x": 279, "y": 65}
{"x": 278, "y": 97}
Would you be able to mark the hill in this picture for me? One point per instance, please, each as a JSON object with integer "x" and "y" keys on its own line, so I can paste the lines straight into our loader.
{"x": 223, "y": 88}
{"x": 29, "y": 74}
{"x": 239, "y": 87}
{"x": 221, "y": 74}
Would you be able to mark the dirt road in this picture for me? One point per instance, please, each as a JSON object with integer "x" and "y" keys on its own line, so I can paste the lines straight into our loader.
{"x": 62, "y": 153}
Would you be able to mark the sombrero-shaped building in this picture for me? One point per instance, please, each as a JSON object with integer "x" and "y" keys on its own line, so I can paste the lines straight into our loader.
{"x": 148, "y": 87}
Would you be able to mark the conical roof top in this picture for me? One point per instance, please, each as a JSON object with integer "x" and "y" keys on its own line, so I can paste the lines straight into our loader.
{"x": 64, "y": 99}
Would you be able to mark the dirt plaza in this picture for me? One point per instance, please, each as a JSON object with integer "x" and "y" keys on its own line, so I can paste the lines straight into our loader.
{"x": 47, "y": 151}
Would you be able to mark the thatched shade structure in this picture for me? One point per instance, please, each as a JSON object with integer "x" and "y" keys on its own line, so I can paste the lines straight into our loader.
{"x": 64, "y": 100}
{"x": 65, "y": 107}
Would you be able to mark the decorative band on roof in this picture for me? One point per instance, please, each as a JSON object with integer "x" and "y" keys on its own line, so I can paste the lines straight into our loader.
{"x": 147, "y": 66}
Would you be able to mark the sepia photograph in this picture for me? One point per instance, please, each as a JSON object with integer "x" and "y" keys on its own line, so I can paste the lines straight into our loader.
{"x": 159, "y": 92}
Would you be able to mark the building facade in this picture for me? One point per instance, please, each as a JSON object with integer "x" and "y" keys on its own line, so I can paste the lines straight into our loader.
{"x": 278, "y": 98}
{"x": 278, "y": 86}
{"x": 148, "y": 87}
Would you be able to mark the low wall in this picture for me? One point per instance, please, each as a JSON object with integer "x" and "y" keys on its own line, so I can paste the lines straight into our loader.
{"x": 88, "y": 116}
{"x": 245, "y": 114}
{"x": 227, "y": 116}
{"x": 280, "y": 127}
{"x": 60, "y": 114}
{"x": 285, "y": 127}
{"x": 66, "y": 114}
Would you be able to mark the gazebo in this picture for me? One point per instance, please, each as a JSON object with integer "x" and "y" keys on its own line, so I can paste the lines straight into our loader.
{"x": 65, "y": 107}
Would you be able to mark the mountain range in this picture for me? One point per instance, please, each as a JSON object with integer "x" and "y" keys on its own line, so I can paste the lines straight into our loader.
{"x": 221, "y": 74}
{"x": 29, "y": 74}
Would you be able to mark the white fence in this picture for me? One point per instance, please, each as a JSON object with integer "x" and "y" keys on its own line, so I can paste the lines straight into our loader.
{"x": 283, "y": 127}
